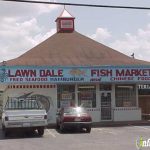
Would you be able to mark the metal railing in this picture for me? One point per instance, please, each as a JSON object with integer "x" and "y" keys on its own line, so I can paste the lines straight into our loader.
{"x": 22, "y": 103}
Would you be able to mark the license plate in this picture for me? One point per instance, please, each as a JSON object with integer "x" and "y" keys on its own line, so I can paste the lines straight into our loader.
{"x": 77, "y": 119}
{"x": 26, "y": 124}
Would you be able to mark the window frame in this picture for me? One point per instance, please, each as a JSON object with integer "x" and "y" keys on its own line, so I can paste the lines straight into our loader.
{"x": 62, "y": 90}
{"x": 125, "y": 95}
{"x": 87, "y": 95}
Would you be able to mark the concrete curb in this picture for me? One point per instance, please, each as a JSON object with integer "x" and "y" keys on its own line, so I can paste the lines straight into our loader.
{"x": 122, "y": 123}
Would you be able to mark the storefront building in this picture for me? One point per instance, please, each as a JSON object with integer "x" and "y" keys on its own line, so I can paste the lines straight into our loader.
{"x": 69, "y": 69}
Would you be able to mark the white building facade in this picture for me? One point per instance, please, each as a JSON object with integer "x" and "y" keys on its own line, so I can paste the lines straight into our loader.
{"x": 106, "y": 96}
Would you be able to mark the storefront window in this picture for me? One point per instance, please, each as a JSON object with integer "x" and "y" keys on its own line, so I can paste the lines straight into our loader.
{"x": 125, "y": 95}
{"x": 66, "y": 95}
{"x": 87, "y": 96}
{"x": 105, "y": 87}
{"x": 144, "y": 89}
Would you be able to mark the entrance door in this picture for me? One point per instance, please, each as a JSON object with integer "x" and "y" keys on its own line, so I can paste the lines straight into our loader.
{"x": 106, "y": 105}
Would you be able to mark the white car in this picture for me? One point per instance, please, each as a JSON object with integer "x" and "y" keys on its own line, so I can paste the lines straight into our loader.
{"x": 21, "y": 114}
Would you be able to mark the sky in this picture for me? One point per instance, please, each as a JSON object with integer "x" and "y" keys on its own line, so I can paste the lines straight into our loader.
{"x": 23, "y": 26}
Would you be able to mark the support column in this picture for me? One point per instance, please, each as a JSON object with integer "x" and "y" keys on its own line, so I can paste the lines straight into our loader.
{"x": 76, "y": 94}
{"x": 137, "y": 96}
{"x": 98, "y": 101}
{"x": 113, "y": 101}
{"x": 97, "y": 96}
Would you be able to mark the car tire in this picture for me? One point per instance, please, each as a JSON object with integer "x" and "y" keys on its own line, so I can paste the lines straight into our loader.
{"x": 40, "y": 131}
{"x": 57, "y": 126}
{"x": 3, "y": 127}
{"x": 5, "y": 133}
{"x": 88, "y": 129}
{"x": 61, "y": 128}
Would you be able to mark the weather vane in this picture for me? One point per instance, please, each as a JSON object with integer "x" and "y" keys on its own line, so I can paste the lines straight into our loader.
{"x": 132, "y": 55}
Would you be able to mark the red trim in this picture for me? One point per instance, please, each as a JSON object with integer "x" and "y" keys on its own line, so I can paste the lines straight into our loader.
{"x": 31, "y": 86}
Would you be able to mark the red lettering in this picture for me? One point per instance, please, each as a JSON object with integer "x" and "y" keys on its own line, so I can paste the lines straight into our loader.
{"x": 119, "y": 73}
{"x": 102, "y": 72}
{"x": 22, "y": 73}
{"x": 51, "y": 73}
{"x": 60, "y": 73}
{"x": 93, "y": 72}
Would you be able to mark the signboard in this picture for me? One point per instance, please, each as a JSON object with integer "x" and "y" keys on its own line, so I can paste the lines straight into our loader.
{"x": 66, "y": 96}
{"x": 36, "y": 74}
{"x": 86, "y": 95}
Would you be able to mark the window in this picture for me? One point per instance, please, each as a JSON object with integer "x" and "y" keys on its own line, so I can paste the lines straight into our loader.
{"x": 66, "y": 95}
{"x": 105, "y": 87}
{"x": 87, "y": 96}
{"x": 144, "y": 89}
{"x": 16, "y": 103}
{"x": 125, "y": 95}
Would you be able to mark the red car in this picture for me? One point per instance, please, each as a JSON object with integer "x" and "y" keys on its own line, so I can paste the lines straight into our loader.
{"x": 73, "y": 117}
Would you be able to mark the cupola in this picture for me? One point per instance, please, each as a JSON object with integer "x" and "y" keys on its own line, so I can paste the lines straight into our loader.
{"x": 65, "y": 22}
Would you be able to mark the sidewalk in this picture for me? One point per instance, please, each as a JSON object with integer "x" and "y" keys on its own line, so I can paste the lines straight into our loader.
{"x": 122, "y": 123}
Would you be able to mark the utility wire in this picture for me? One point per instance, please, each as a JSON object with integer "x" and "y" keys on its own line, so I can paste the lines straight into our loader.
{"x": 77, "y": 4}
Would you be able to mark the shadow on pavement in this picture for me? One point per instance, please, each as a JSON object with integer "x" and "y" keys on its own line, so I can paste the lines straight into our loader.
{"x": 72, "y": 131}
{"x": 18, "y": 134}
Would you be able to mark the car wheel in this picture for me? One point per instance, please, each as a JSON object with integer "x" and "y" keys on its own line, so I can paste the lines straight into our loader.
{"x": 61, "y": 128}
{"x": 5, "y": 133}
{"x": 57, "y": 126}
{"x": 31, "y": 131}
{"x": 3, "y": 127}
{"x": 40, "y": 131}
{"x": 88, "y": 129}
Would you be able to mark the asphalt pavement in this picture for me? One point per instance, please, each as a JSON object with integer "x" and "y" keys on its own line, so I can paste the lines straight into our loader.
{"x": 101, "y": 138}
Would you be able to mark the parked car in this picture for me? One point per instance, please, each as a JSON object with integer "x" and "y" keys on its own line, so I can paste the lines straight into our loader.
{"x": 24, "y": 114}
{"x": 73, "y": 117}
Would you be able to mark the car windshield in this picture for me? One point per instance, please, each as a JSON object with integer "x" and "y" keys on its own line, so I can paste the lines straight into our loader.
{"x": 77, "y": 110}
{"x": 22, "y": 104}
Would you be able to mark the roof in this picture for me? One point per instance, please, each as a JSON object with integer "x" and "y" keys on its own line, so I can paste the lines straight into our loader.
{"x": 73, "y": 49}
{"x": 65, "y": 14}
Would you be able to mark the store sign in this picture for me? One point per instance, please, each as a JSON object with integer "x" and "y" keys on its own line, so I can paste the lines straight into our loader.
{"x": 32, "y": 74}
{"x": 86, "y": 95}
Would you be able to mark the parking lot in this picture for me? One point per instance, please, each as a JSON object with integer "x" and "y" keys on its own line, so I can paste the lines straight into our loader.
{"x": 105, "y": 138}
